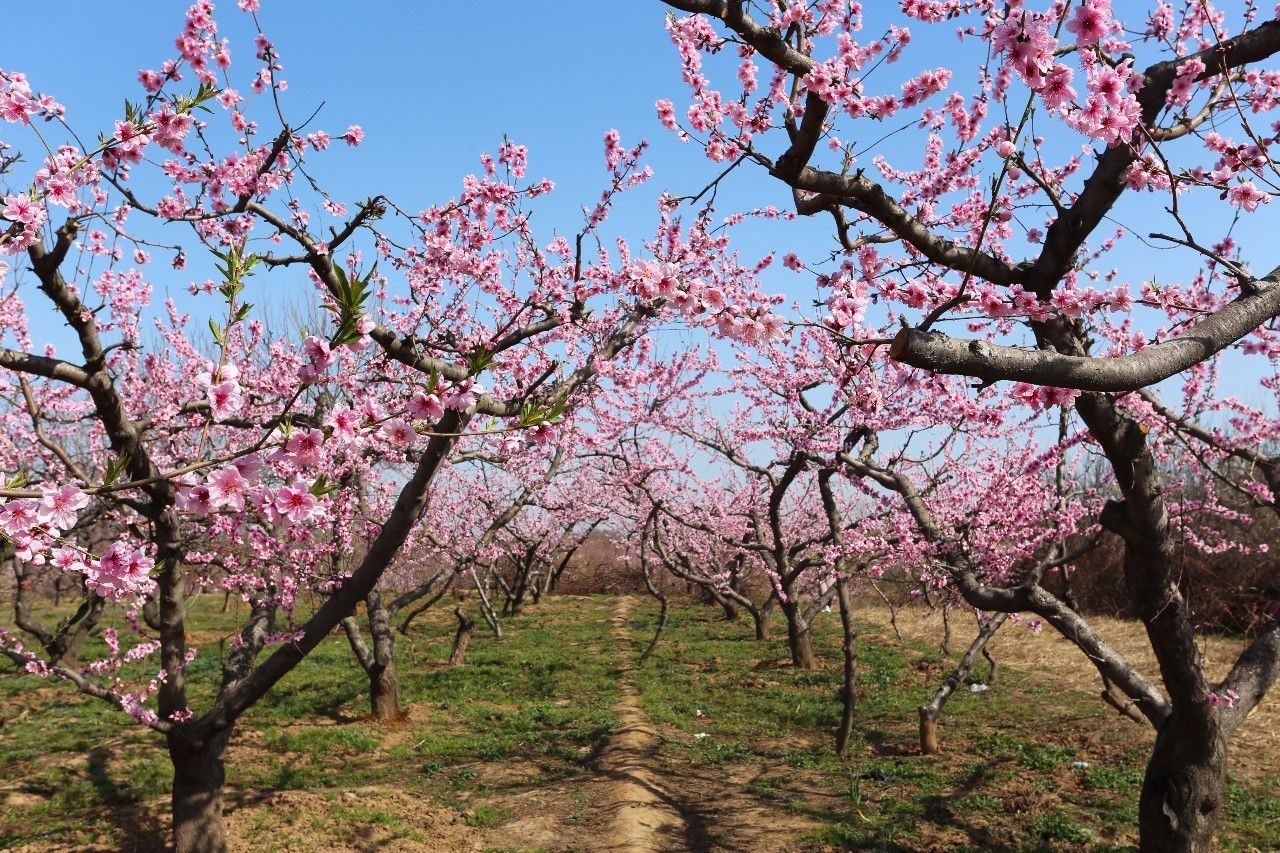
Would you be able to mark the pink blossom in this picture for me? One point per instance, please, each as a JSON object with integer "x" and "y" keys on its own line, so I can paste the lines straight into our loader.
{"x": 1247, "y": 197}
{"x": 399, "y": 433}
{"x": 194, "y": 499}
{"x": 296, "y": 503}
{"x": 19, "y": 517}
{"x": 1091, "y": 21}
{"x": 304, "y": 446}
{"x": 354, "y": 135}
{"x": 344, "y": 423}
{"x": 68, "y": 560}
{"x": 224, "y": 399}
{"x": 227, "y": 488}
{"x": 60, "y": 506}
{"x": 426, "y": 407}
{"x": 1227, "y": 698}
{"x": 20, "y": 208}
{"x": 120, "y": 573}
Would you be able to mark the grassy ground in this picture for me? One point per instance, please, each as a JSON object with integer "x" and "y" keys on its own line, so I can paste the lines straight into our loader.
{"x": 538, "y": 701}
{"x": 499, "y": 754}
{"x": 1005, "y": 779}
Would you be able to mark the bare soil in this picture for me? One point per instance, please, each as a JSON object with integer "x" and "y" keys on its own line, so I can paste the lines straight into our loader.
{"x": 646, "y": 815}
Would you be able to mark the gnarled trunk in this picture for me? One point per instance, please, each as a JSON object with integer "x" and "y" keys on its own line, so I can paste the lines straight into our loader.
{"x": 384, "y": 690}
{"x": 1181, "y": 798}
{"x": 379, "y": 664}
{"x": 461, "y": 637}
{"x": 198, "y": 779}
{"x": 799, "y": 640}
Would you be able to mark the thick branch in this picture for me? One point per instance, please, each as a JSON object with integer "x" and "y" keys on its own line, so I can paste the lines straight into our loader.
{"x": 989, "y": 362}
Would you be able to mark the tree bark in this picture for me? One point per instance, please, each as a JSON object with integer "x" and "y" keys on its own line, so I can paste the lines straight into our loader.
{"x": 198, "y": 779}
{"x": 930, "y": 712}
{"x": 1181, "y": 797}
{"x": 799, "y": 640}
{"x": 384, "y": 689}
{"x": 378, "y": 663}
{"x": 731, "y": 613}
{"x": 461, "y": 638}
{"x": 760, "y": 621}
{"x": 849, "y": 648}
{"x": 663, "y": 608}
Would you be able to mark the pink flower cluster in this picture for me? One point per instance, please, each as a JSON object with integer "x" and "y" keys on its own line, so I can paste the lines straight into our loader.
{"x": 35, "y": 527}
{"x": 223, "y": 393}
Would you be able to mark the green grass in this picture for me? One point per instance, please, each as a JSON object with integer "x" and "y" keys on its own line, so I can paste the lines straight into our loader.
{"x": 542, "y": 698}
{"x": 487, "y": 817}
{"x": 544, "y": 692}
{"x": 1005, "y": 778}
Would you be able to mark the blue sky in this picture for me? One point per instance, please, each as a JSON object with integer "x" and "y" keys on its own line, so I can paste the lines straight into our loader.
{"x": 435, "y": 84}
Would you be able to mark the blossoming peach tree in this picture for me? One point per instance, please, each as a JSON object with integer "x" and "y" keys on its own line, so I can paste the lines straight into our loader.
{"x": 1005, "y": 210}
{"x": 150, "y": 457}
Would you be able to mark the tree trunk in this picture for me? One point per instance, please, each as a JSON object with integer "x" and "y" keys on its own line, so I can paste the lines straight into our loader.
{"x": 486, "y": 607}
{"x": 929, "y": 713}
{"x": 798, "y": 638}
{"x": 461, "y": 638}
{"x": 379, "y": 664}
{"x": 662, "y": 610}
{"x": 928, "y": 731}
{"x": 849, "y": 648}
{"x": 198, "y": 778}
{"x": 1181, "y": 798}
{"x": 730, "y": 610}
{"x": 384, "y": 690}
{"x": 760, "y": 621}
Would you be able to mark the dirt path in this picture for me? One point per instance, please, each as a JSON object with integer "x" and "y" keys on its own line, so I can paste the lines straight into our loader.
{"x": 645, "y": 815}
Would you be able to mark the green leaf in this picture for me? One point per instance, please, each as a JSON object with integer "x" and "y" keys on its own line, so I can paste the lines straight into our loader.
{"x": 217, "y": 332}
{"x": 114, "y": 469}
{"x": 322, "y": 486}
{"x": 479, "y": 360}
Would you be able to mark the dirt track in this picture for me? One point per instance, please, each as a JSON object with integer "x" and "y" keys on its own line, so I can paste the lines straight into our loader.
{"x": 645, "y": 817}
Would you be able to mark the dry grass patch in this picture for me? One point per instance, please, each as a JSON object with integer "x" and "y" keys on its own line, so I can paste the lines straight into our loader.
{"x": 1255, "y": 751}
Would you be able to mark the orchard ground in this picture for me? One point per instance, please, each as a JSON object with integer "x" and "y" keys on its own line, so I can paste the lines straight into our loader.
{"x": 509, "y": 752}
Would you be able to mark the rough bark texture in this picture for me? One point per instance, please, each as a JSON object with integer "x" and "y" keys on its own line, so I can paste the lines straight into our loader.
{"x": 458, "y": 654}
{"x": 378, "y": 663}
{"x": 198, "y": 778}
{"x": 1152, "y": 364}
{"x": 384, "y": 690}
{"x": 799, "y": 640}
{"x": 1181, "y": 798}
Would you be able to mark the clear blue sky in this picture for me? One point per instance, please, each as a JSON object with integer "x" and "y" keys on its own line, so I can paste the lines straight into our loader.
{"x": 435, "y": 83}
